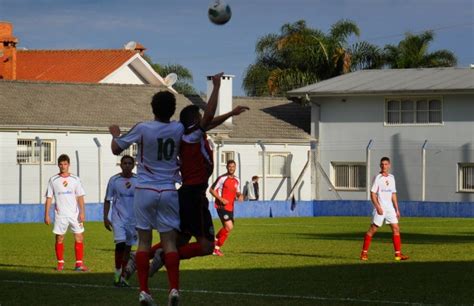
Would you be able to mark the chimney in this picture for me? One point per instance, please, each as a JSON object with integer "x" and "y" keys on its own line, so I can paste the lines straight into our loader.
{"x": 7, "y": 51}
{"x": 140, "y": 49}
{"x": 225, "y": 95}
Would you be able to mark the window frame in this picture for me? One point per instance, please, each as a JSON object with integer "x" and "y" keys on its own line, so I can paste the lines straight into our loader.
{"x": 350, "y": 164}
{"x": 268, "y": 156}
{"x": 51, "y": 161}
{"x": 460, "y": 177}
{"x": 223, "y": 153}
{"x": 415, "y": 99}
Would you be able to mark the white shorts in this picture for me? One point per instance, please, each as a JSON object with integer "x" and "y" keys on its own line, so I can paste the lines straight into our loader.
{"x": 389, "y": 216}
{"x": 124, "y": 232}
{"x": 61, "y": 225}
{"x": 157, "y": 209}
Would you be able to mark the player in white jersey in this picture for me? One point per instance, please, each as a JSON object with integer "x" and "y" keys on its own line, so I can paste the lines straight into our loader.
{"x": 120, "y": 194}
{"x": 156, "y": 198}
{"x": 69, "y": 211}
{"x": 383, "y": 194}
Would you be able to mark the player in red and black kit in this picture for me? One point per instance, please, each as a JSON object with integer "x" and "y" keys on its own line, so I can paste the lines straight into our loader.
{"x": 225, "y": 189}
{"x": 196, "y": 167}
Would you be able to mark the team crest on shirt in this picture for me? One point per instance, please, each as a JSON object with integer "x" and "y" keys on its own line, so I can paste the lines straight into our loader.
{"x": 65, "y": 183}
{"x": 387, "y": 183}
{"x": 128, "y": 185}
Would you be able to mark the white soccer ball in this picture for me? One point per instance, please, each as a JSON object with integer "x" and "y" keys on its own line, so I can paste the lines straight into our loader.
{"x": 219, "y": 12}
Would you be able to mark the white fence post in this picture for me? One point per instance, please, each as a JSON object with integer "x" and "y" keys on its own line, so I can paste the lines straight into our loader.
{"x": 369, "y": 147}
{"x": 264, "y": 175}
{"x": 423, "y": 170}
{"x": 39, "y": 143}
{"x": 99, "y": 152}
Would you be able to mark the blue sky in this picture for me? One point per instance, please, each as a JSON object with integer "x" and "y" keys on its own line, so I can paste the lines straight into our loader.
{"x": 179, "y": 31}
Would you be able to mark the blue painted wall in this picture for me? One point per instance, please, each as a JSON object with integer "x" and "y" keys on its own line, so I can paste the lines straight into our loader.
{"x": 15, "y": 213}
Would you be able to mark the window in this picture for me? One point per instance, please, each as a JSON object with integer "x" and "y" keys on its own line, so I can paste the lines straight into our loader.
{"x": 132, "y": 151}
{"x": 466, "y": 177}
{"x": 226, "y": 156}
{"x": 349, "y": 176}
{"x": 421, "y": 110}
{"x": 276, "y": 164}
{"x": 28, "y": 151}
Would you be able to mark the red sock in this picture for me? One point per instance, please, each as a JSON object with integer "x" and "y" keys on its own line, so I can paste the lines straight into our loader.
{"x": 172, "y": 268}
{"x": 397, "y": 243}
{"x": 153, "y": 250}
{"x": 79, "y": 250}
{"x": 59, "y": 247}
{"x": 190, "y": 250}
{"x": 222, "y": 236}
{"x": 118, "y": 258}
{"x": 367, "y": 240}
{"x": 143, "y": 265}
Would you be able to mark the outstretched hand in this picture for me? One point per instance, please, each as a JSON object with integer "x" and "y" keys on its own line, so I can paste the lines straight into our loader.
{"x": 239, "y": 110}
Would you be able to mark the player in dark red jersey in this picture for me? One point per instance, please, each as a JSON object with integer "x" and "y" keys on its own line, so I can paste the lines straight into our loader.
{"x": 225, "y": 189}
{"x": 196, "y": 167}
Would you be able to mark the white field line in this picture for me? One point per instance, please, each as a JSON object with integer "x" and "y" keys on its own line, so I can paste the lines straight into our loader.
{"x": 264, "y": 295}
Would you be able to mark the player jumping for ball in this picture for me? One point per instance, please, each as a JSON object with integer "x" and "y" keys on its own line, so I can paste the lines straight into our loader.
{"x": 384, "y": 198}
{"x": 156, "y": 198}
{"x": 196, "y": 167}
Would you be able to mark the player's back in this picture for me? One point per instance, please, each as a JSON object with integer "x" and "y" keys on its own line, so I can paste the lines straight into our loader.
{"x": 158, "y": 147}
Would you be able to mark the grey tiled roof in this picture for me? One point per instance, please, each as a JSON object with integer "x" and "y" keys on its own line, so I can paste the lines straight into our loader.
{"x": 96, "y": 106}
{"x": 271, "y": 119}
{"x": 76, "y": 105}
{"x": 392, "y": 81}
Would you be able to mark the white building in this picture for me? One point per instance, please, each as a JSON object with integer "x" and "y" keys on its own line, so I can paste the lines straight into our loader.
{"x": 67, "y": 117}
{"x": 423, "y": 119}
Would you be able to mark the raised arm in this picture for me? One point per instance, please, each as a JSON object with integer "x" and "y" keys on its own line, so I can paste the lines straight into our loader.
{"x": 211, "y": 107}
{"x": 222, "y": 118}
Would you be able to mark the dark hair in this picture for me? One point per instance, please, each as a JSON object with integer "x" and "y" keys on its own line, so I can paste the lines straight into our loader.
{"x": 163, "y": 104}
{"x": 254, "y": 177}
{"x": 385, "y": 159}
{"x": 188, "y": 115}
{"x": 64, "y": 157}
{"x": 231, "y": 161}
{"x": 127, "y": 157}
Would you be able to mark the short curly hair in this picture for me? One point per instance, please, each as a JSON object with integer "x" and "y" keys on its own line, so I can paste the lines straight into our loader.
{"x": 163, "y": 104}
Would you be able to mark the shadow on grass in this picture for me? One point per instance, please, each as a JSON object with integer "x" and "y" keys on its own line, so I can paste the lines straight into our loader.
{"x": 412, "y": 238}
{"x": 358, "y": 284}
{"x": 293, "y": 254}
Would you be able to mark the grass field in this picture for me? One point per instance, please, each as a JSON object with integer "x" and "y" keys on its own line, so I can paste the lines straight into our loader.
{"x": 285, "y": 261}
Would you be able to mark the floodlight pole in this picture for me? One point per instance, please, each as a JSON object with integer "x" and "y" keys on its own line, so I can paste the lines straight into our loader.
{"x": 99, "y": 156}
{"x": 39, "y": 144}
{"x": 367, "y": 178}
{"x": 264, "y": 175}
{"x": 423, "y": 170}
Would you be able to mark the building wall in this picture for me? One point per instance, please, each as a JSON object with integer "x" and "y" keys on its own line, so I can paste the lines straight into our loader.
{"x": 346, "y": 126}
{"x": 125, "y": 75}
{"x": 277, "y": 187}
{"x": 21, "y": 183}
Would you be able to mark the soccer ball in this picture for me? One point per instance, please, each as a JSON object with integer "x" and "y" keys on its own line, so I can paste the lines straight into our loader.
{"x": 219, "y": 12}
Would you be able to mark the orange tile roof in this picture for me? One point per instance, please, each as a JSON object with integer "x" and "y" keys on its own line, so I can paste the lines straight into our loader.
{"x": 88, "y": 66}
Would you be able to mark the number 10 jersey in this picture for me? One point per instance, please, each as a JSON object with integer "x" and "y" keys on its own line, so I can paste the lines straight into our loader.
{"x": 158, "y": 148}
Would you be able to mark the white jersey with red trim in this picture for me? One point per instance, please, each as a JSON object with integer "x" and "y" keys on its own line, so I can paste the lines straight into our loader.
{"x": 158, "y": 147}
{"x": 384, "y": 187}
{"x": 65, "y": 190}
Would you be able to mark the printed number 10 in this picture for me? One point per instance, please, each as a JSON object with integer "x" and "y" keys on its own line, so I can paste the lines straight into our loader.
{"x": 165, "y": 148}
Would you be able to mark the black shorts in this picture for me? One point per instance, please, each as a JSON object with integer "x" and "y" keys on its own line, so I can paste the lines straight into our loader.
{"x": 225, "y": 215}
{"x": 194, "y": 211}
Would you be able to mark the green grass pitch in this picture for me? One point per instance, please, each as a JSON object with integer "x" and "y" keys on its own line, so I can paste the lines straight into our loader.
{"x": 280, "y": 261}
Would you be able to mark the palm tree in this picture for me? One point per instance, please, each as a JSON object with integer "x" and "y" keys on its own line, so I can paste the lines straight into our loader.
{"x": 299, "y": 55}
{"x": 412, "y": 52}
